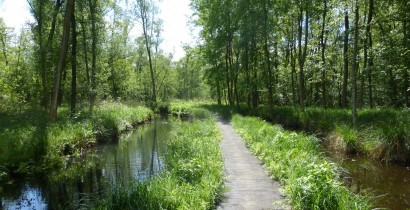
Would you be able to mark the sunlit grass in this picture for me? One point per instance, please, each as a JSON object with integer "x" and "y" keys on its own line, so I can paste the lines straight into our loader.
{"x": 381, "y": 133}
{"x": 41, "y": 145}
{"x": 310, "y": 181}
{"x": 192, "y": 177}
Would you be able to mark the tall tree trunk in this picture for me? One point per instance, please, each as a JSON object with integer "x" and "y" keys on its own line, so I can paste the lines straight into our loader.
{"x": 346, "y": 60}
{"x": 44, "y": 95}
{"x": 355, "y": 62}
{"x": 61, "y": 61}
{"x": 93, "y": 94}
{"x": 144, "y": 18}
{"x": 302, "y": 55}
{"x": 323, "y": 45}
{"x": 73, "y": 64}
{"x": 407, "y": 62}
{"x": 227, "y": 72}
{"x": 254, "y": 58}
{"x": 268, "y": 62}
{"x": 368, "y": 57}
{"x": 293, "y": 66}
{"x": 235, "y": 80}
{"x": 85, "y": 50}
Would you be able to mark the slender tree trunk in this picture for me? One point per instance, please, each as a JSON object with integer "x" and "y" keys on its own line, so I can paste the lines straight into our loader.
{"x": 355, "y": 63}
{"x": 293, "y": 66}
{"x": 93, "y": 94}
{"x": 45, "y": 50}
{"x": 406, "y": 70}
{"x": 235, "y": 80}
{"x": 302, "y": 55}
{"x": 323, "y": 43}
{"x": 367, "y": 63}
{"x": 144, "y": 18}
{"x": 85, "y": 50}
{"x": 227, "y": 72}
{"x": 73, "y": 64}
{"x": 268, "y": 62}
{"x": 346, "y": 60}
{"x": 255, "y": 94}
{"x": 61, "y": 61}
{"x": 44, "y": 95}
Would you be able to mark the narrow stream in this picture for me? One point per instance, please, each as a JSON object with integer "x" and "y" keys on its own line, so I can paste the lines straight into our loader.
{"x": 135, "y": 157}
{"x": 389, "y": 183}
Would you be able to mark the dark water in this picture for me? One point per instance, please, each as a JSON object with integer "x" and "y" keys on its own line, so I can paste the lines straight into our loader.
{"x": 135, "y": 157}
{"x": 389, "y": 183}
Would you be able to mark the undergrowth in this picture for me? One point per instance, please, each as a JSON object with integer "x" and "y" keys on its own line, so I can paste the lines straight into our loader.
{"x": 29, "y": 144}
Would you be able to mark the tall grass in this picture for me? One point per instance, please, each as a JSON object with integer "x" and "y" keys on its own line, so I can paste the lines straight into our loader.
{"x": 189, "y": 109}
{"x": 311, "y": 181}
{"x": 381, "y": 133}
{"x": 41, "y": 145}
{"x": 192, "y": 177}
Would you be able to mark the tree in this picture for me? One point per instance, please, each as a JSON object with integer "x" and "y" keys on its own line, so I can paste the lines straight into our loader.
{"x": 146, "y": 11}
{"x": 355, "y": 62}
{"x": 73, "y": 63}
{"x": 302, "y": 55}
{"x": 63, "y": 54}
{"x": 345, "y": 59}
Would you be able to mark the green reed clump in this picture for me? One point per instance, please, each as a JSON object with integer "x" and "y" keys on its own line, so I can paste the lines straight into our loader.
{"x": 191, "y": 179}
{"x": 311, "y": 182}
{"x": 189, "y": 109}
{"x": 111, "y": 119}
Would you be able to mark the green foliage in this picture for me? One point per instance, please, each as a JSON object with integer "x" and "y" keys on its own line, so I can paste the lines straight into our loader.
{"x": 192, "y": 178}
{"x": 52, "y": 145}
{"x": 191, "y": 109}
{"x": 310, "y": 181}
{"x": 381, "y": 133}
{"x": 111, "y": 119}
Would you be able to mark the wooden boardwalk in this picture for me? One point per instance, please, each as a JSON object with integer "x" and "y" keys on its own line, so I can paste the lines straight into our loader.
{"x": 248, "y": 184}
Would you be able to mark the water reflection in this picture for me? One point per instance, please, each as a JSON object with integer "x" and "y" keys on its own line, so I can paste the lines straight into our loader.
{"x": 136, "y": 156}
{"x": 389, "y": 183}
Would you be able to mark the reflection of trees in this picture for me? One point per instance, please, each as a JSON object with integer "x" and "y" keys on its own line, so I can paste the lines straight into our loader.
{"x": 135, "y": 156}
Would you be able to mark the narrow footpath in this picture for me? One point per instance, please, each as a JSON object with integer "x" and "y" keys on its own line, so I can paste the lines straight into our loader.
{"x": 248, "y": 184}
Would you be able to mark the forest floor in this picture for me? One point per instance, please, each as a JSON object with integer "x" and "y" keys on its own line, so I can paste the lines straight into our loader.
{"x": 248, "y": 183}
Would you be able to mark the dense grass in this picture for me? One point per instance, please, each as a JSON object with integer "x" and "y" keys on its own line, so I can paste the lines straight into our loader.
{"x": 41, "y": 145}
{"x": 189, "y": 109}
{"x": 192, "y": 177}
{"x": 381, "y": 133}
{"x": 310, "y": 181}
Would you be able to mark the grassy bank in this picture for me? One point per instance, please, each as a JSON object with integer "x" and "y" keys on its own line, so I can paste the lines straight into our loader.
{"x": 41, "y": 145}
{"x": 381, "y": 133}
{"x": 310, "y": 181}
{"x": 192, "y": 177}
